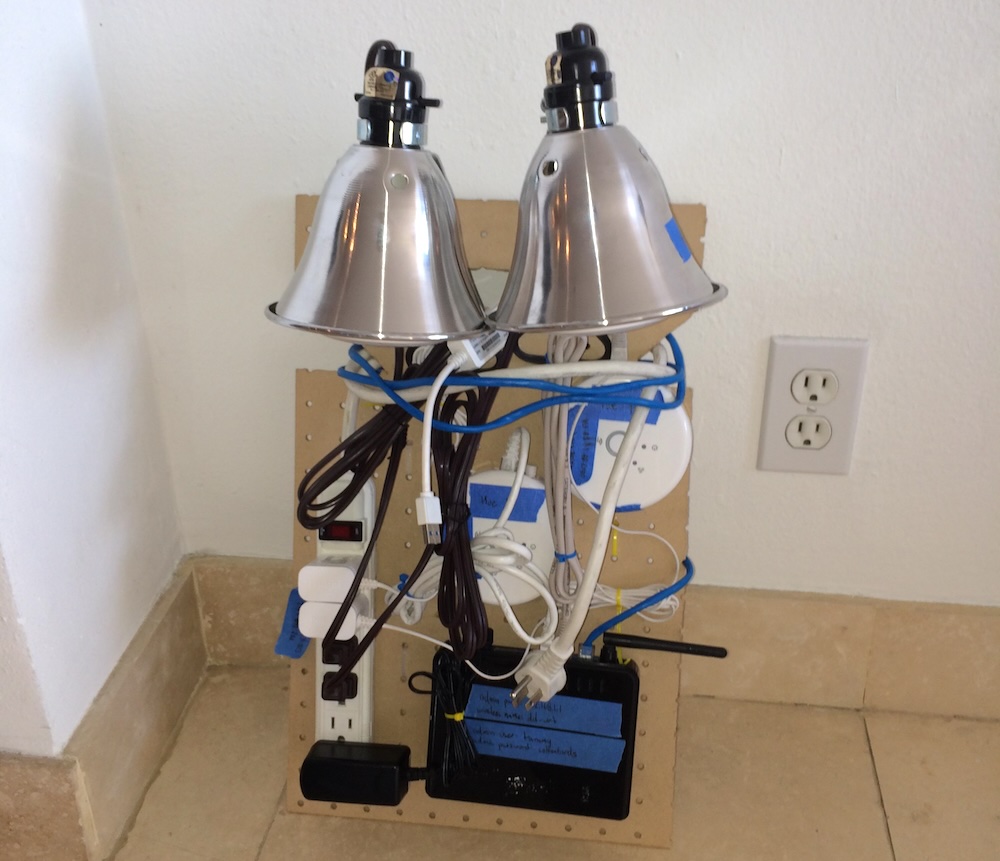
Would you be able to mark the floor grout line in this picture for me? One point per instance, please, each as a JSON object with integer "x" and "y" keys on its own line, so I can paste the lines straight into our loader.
{"x": 267, "y": 831}
{"x": 878, "y": 786}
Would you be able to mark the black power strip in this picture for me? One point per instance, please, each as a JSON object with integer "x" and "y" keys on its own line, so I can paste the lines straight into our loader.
{"x": 571, "y": 755}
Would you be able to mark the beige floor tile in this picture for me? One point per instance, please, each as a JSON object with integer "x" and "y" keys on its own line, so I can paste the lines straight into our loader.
{"x": 940, "y": 782}
{"x": 39, "y": 816}
{"x": 782, "y": 648}
{"x": 935, "y": 660}
{"x": 217, "y": 792}
{"x": 772, "y": 782}
{"x": 326, "y": 838}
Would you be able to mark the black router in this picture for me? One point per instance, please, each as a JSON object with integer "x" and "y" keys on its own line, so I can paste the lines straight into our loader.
{"x": 572, "y": 755}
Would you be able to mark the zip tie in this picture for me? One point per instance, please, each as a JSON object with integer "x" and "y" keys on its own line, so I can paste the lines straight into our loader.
{"x": 458, "y": 716}
{"x": 565, "y": 557}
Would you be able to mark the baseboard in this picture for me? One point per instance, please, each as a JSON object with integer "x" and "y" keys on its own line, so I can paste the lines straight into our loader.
{"x": 78, "y": 805}
{"x": 854, "y": 653}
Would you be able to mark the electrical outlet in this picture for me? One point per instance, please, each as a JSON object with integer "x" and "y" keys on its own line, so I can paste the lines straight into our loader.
{"x": 811, "y": 404}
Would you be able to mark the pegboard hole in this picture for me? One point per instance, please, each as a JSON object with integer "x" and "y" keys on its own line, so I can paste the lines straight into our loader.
{"x": 333, "y": 806}
{"x": 402, "y": 713}
{"x": 534, "y": 824}
{"x": 645, "y": 629}
{"x": 342, "y": 405}
{"x": 465, "y": 817}
{"x": 302, "y": 704}
{"x": 300, "y": 803}
{"x": 307, "y": 538}
{"x": 409, "y": 511}
{"x": 366, "y": 809}
{"x": 645, "y": 663}
{"x": 641, "y": 766}
{"x": 602, "y": 831}
{"x": 652, "y": 527}
{"x": 642, "y": 732}
{"x": 399, "y": 811}
{"x": 638, "y": 835}
{"x": 432, "y": 815}
{"x": 649, "y": 560}
{"x": 483, "y": 234}
{"x": 305, "y": 671}
{"x": 309, "y": 437}
{"x": 614, "y": 558}
{"x": 638, "y": 801}
{"x": 499, "y": 821}
{"x": 643, "y": 697}
{"x": 302, "y": 737}
{"x": 569, "y": 827}
{"x": 309, "y": 403}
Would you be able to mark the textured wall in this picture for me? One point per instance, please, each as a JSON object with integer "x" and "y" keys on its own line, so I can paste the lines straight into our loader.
{"x": 87, "y": 515}
{"x": 848, "y": 156}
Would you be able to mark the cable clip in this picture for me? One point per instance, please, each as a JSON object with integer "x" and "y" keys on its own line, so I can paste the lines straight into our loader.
{"x": 565, "y": 557}
{"x": 458, "y": 716}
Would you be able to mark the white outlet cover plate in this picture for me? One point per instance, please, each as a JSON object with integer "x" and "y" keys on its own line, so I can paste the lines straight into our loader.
{"x": 845, "y": 357}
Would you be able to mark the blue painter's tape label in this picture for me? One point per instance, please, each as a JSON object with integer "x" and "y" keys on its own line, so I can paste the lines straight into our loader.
{"x": 570, "y": 731}
{"x": 565, "y": 713}
{"x": 488, "y": 500}
{"x": 595, "y": 429}
{"x": 573, "y": 749}
{"x": 674, "y": 231}
{"x": 292, "y": 643}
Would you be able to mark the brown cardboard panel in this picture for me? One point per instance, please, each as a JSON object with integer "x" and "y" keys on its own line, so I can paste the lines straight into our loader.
{"x": 402, "y": 716}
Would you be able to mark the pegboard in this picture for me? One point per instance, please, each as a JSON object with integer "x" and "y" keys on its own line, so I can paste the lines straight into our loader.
{"x": 401, "y": 716}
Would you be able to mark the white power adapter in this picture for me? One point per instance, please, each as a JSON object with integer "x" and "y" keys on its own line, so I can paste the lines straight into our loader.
{"x": 661, "y": 456}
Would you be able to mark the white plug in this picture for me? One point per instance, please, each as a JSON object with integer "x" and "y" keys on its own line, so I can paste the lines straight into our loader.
{"x": 478, "y": 350}
{"x": 541, "y": 678}
{"x": 429, "y": 517}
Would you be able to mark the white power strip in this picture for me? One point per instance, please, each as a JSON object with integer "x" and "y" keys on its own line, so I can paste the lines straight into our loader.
{"x": 323, "y": 584}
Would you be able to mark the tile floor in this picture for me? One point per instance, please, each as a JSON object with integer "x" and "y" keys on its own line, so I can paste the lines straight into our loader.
{"x": 754, "y": 781}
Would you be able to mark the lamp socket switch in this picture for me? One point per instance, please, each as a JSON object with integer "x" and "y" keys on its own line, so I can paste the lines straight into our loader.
{"x": 811, "y": 404}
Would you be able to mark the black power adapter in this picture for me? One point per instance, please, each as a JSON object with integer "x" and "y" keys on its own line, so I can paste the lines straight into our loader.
{"x": 356, "y": 772}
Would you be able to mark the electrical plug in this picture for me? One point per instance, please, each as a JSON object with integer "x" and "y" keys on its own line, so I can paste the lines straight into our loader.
{"x": 541, "y": 678}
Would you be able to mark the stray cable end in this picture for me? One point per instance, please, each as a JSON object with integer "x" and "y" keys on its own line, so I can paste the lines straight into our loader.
{"x": 429, "y": 517}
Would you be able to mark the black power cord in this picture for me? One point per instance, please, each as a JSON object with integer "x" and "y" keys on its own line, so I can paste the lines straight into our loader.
{"x": 452, "y": 684}
{"x": 460, "y": 605}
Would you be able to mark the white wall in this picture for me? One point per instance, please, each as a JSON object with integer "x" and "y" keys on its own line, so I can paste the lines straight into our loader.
{"x": 87, "y": 514}
{"x": 848, "y": 155}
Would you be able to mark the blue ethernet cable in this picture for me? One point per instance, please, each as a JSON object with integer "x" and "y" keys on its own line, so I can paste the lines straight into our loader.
{"x": 587, "y": 649}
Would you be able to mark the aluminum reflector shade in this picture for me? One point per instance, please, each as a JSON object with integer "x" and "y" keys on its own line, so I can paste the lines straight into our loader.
{"x": 598, "y": 249}
{"x": 384, "y": 262}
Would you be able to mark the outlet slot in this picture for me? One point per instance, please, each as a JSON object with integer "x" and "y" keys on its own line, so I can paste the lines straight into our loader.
{"x": 346, "y": 689}
{"x": 812, "y": 432}
{"x": 337, "y": 650}
{"x": 815, "y": 387}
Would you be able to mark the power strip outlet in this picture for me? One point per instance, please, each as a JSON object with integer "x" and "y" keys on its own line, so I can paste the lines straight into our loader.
{"x": 344, "y": 714}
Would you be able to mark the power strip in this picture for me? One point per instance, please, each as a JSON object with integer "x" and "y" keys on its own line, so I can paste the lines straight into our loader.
{"x": 344, "y": 713}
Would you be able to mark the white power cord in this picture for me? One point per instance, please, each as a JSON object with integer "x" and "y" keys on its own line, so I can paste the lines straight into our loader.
{"x": 544, "y": 675}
